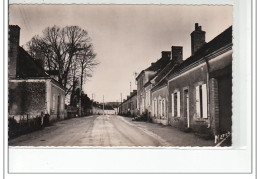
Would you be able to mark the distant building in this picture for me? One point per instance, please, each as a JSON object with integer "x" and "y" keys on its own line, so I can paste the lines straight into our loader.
{"x": 129, "y": 105}
{"x": 32, "y": 91}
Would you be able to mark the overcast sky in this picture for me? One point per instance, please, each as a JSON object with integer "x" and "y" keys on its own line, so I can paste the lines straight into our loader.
{"x": 126, "y": 38}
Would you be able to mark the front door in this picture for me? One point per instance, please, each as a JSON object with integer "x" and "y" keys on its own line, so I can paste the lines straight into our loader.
{"x": 225, "y": 103}
{"x": 58, "y": 107}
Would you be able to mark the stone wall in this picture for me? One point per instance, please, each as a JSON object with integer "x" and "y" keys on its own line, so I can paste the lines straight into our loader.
{"x": 27, "y": 98}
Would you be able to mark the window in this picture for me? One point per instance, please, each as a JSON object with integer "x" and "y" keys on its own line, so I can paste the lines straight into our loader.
{"x": 163, "y": 107}
{"x": 155, "y": 107}
{"x": 53, "y": 102}
{"x": 201, "y": 101}
{"x": 148, "y": 97}
{"x": 176, "y": 104}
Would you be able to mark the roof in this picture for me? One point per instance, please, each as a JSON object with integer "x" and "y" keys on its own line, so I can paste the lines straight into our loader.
{"x": 27, "y": 66}
{"x": 159, "y": 64}
{"x": 220, "y": 41}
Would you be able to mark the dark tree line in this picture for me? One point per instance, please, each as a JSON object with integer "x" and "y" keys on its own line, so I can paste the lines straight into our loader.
{"x": 68, "y": 51}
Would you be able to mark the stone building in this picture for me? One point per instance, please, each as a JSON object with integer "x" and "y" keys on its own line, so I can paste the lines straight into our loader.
{"x": 32, "y": 92}
{"x": 200, "y": 88}
{"x": 144, "y": 84}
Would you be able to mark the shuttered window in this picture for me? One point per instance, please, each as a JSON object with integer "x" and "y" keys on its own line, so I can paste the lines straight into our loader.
{"x": 201, "y": 101}
{"x": 176, "y": 107}
{"x": 53, "y": 102}
{"x": 178, "y": 104}
{"x": 204, "y": 101}
{"x": 172, "y": 104}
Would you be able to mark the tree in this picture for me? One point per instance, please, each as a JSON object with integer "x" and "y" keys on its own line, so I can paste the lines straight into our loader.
{"x": 67, "y": 50}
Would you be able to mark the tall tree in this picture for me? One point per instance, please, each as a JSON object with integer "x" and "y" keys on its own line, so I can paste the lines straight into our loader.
{"x": 67, "y": 50}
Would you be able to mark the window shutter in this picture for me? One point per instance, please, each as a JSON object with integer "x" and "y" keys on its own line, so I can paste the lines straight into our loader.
{"x": 164, "y": 110}
{"x": 198, "y": 101}
{"x": 152, "y": 108}
{"x": 155, "y": 108}
{"x": 204, "y": 101}
{"x": 173, "y": 104}
{"x": 178, "y": 104}
{"x": 161, "y": 107}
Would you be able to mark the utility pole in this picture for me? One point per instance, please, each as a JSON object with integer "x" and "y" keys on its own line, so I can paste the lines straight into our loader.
{"x": 103, "y": 105}
{"x": 130, "y": 87}
{"x": 92, "y": 104}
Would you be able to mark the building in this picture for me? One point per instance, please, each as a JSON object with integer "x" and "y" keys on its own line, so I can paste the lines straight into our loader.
{"x": 144, "y": 85}
{"x": 129, "y": 105}
{"x": 200, "y": 88}
{"x": 32, "y": 91}
{"x": 159, "y": 91}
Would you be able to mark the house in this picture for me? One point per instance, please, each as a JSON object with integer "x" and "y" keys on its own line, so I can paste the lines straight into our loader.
{"x": 32, "y": 91}
{"x": 129, "y": 105}
{"x": 200, "y": 88}
{"x": 159, "y": 91}
{"x": 144, "y": 85}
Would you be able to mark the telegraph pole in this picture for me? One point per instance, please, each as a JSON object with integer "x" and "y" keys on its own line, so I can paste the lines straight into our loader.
{"x": 103, "y": 105}
{"x": 92, "y": 103}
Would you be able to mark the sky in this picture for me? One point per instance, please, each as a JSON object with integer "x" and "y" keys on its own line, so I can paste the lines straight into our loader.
{"x": 126, "y": 38}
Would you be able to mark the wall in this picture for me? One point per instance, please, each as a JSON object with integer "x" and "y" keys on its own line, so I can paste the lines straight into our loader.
{"x": 27, "y": 97}
{"x": 162, "y": 93}
{"x": 188, "y": 80}
{"x": 56, "y": 101}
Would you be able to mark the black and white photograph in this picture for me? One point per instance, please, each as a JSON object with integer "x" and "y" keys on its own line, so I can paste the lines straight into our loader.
{"x": 161, "y": 78}
{"x": 129, "y": 75}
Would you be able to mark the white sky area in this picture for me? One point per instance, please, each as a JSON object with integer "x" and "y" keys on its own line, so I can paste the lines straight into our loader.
{"x": 126, "y": 38}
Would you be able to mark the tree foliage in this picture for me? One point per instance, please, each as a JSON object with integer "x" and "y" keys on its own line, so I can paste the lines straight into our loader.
{"x": 68, "y": 51}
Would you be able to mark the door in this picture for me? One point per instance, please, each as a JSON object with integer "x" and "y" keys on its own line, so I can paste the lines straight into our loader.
{"x": 58, "y": 107}
{"x": 186, "y": 107}
{"x": 225, "y": 103}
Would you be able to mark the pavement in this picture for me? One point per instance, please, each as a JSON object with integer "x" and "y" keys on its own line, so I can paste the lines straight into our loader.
{"x": 108, "y": 130}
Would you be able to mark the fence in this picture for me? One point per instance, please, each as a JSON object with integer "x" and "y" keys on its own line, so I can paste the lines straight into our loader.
{"x": 25, "y": 124}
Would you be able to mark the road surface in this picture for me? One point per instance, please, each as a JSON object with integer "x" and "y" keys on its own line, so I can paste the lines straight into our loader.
{"x": 108, "y": 131}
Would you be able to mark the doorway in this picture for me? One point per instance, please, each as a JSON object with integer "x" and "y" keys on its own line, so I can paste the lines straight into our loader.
{"x": 58, "y": 107}
{"x": 225, "y": 103}
{"x": 186, "y": 107}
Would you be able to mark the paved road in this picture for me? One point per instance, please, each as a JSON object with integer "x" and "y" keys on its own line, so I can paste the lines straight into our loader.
{"x": 107, "y": 131}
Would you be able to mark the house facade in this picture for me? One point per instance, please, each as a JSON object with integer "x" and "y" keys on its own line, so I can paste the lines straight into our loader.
{"x": 200, "y": 88}
{"x": 144, "y": 84}
{"x": 160, "y": 90}
{"x": 32, "y": 92}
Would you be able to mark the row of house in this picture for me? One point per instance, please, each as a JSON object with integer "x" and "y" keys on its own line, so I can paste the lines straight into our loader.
{"x": 192, "y": 94}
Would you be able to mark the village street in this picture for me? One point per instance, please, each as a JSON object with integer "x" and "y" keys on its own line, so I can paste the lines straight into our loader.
{"x": 108, "y": 130}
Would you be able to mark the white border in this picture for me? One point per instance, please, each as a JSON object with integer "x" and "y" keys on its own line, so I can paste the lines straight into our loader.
{"x": 157, "y": 160}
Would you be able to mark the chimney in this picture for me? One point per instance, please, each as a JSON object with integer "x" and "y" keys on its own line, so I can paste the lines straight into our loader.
{"x": 166, "y": 54}
{"x": 131, "y": 94}
{"x": 177, "y": 53}
{"x": 197, "y": 39}
{"x": 39, "y": 58}
{"x": 128, "y": 97}
{"x": 13, "y": 50}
